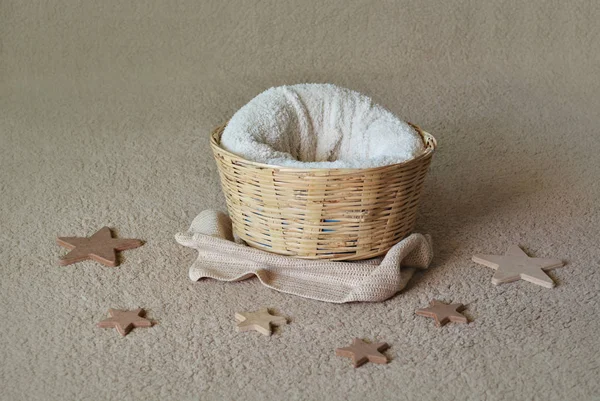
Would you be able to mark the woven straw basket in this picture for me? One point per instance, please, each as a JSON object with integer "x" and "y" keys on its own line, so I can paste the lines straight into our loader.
{"x": 333, "y": 214}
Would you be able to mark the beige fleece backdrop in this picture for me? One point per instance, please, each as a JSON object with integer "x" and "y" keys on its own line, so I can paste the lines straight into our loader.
{"x": 105, "y": 110}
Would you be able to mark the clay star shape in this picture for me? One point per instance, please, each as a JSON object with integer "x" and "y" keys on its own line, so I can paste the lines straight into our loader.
{"x": 124, "y": 321}
{"x": 260, "y": 321}
{"x": 101, "y": 247}
{"x": 443, "y": 313}
{"x": 515, "y": 265}
{"x": 362, "y": 352}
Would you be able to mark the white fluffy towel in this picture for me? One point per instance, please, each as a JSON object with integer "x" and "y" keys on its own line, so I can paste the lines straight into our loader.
{"x": 319, "y": 126}
{"x": 221, "y": 258}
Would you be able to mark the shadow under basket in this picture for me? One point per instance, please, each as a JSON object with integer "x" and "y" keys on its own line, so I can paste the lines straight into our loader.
{"x": 332, "y": 214}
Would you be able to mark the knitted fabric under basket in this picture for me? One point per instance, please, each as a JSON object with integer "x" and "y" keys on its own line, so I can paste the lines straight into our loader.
{"x": 222, "y": 258}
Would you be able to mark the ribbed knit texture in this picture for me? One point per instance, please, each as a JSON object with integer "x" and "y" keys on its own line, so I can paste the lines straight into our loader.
{"x": 222, "y": 258}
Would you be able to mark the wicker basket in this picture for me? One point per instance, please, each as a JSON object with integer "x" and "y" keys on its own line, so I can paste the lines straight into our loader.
{"x": 334, "y": 214}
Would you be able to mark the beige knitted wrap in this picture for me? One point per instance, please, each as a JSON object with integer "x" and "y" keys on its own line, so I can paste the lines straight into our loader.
{"x": 223, "y": 258}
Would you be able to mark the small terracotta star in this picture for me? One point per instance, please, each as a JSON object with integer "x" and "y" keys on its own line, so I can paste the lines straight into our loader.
{"x": 124, "y": 320}
{"x": 362, "y": 352}
{"x": 515, "y": 265}
{"x": 101, "y": 247}
{"x": 443, "y": 313}
{"x": 260, "y": 321}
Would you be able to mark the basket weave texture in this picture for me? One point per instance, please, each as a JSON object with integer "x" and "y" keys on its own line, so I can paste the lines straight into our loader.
{"x": 333, "y": 214}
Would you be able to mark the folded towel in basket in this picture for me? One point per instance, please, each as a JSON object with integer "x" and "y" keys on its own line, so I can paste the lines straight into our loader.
{"x": 222, "y": 258}
{"x": 319, "y": 126}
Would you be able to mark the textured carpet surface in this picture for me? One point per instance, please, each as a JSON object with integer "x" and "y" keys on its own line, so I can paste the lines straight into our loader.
{"x": 105, "y": 110}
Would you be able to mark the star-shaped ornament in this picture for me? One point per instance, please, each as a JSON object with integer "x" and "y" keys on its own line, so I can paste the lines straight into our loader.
{"x": 362, "y": 352}
{"x": 101, "y": 247}
{"x": 124, "y": 320}
{"x": 443, "y": 313}
{"x": 515, "y": 265}
{"x": 260, "y": 321}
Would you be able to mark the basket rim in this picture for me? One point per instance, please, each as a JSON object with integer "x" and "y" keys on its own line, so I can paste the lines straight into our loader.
{"x": 429, "y": 141}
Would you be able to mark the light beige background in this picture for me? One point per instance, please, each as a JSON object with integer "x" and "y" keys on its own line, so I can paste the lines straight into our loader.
{"x": 105, "y": 109}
